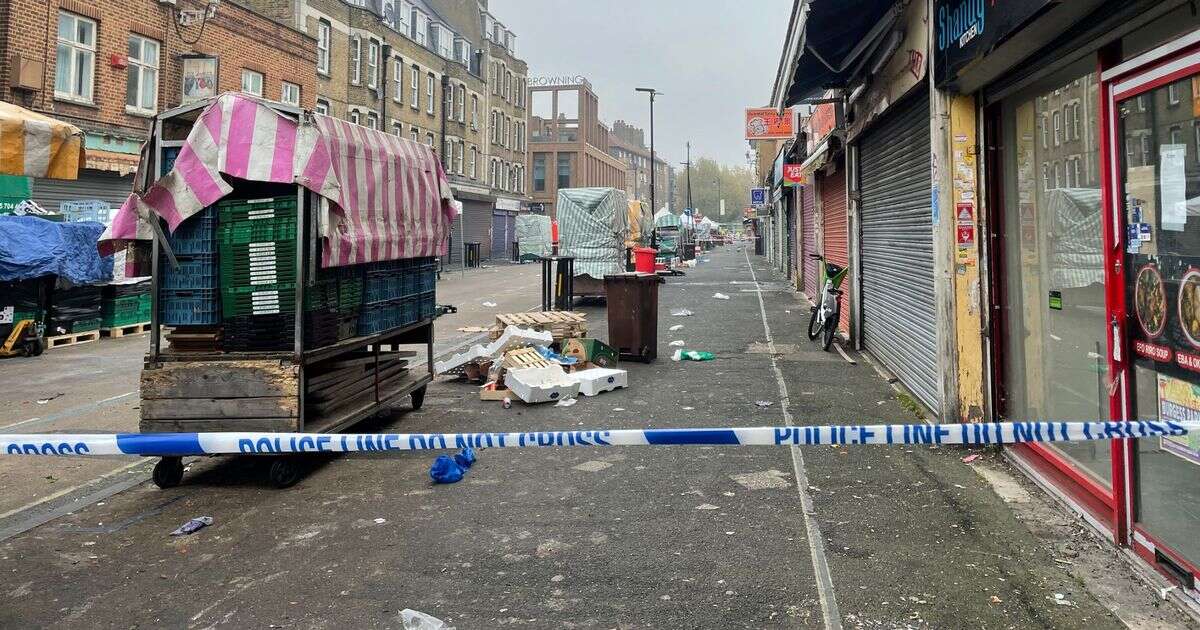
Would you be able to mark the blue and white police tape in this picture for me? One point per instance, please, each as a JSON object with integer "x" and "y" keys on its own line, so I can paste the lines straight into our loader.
{"x": 977, "y": 434}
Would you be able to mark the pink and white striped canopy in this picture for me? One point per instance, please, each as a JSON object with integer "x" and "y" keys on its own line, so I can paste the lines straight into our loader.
{"x": 384, "y": 197}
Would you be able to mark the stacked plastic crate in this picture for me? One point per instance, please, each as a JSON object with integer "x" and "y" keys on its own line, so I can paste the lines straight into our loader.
{"x": 188, "y": 295}
{"x": 345, "y": 287}
{"x": 258, "y": 272}
{"x": 397, "y": 293}
{"x": 125, "y": 304}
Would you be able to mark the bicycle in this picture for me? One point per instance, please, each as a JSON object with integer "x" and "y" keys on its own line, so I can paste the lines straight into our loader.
{"x": 828, "y": 311}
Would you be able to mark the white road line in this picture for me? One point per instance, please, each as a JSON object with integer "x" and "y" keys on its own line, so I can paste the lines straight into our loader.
{"x": 816, "y": 542}
{"x": 69, "y": 412}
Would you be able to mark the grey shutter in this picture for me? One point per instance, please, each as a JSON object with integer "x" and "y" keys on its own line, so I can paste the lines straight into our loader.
{"x": 91, "y": 185}
{"x": 899, "y": 315}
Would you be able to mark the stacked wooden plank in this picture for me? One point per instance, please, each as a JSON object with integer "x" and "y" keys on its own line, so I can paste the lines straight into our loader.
{"x": 351, "y": 379}
{"x": 561, "y": 324}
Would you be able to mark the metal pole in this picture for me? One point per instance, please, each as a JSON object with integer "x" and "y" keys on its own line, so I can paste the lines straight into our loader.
{"x": 653, "y": 207}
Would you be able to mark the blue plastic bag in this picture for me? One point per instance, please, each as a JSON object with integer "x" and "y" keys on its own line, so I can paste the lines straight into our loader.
{"x": 465, "y": 458}
{"x": 445, "y": 470}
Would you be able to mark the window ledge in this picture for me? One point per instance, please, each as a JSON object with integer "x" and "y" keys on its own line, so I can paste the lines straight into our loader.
{"x": 76, "y": 101}
{"x": 139, "y": 112}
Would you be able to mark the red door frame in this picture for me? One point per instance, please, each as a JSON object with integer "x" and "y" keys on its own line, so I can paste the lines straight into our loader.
{"x": 1163, "y": 65}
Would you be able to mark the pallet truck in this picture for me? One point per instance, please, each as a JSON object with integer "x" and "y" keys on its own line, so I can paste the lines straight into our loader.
{"x": 25, "y": 340}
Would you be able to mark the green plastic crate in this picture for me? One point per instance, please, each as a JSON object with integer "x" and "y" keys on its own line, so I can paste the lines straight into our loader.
{"x": 258, "y": 300}
{"x": 256, "y": 209}
{"x": 240, "y": 232}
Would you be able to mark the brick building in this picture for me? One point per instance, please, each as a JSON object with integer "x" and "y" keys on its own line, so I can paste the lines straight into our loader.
{"x": 416, "y": 68}
{"x": 628, "y": 144}
{"x": 109, "y": 66}
{"x": 508, "y": 125}
{"x": 569, "y": 145}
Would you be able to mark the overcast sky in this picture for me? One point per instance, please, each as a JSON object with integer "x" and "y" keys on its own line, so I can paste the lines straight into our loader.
{"x": 710, "y": 58}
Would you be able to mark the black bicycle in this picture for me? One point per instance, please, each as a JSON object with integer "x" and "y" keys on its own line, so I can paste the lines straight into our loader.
{"x": 828, "y": 311}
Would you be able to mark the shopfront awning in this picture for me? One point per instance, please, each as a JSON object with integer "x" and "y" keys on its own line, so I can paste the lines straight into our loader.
{"x": 35, "y": 145}
{"x": 827, "y": 43}
{"x": 121, "y": 163}
{"x": 819, "y": 157}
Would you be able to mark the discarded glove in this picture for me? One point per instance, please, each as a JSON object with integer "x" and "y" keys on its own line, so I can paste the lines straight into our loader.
{"x": 445, "y": 470}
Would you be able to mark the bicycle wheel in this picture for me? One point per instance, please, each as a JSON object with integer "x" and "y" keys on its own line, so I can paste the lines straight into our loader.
{"x": 830, "y": 328}
{"x": 814, "y": 328}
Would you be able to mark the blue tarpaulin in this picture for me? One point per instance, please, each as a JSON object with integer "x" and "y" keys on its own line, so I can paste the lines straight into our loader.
{"x": 31, "y": 247}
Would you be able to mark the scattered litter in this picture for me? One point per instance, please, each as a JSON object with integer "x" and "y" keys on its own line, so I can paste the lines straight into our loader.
{"x": 42, "y": 401}
{"x": 618, "y": 409}
{"x": 551, "y": 355}
{"x": 707, "y": 506}
{"x": 787, "y": 311}
{"x": 683, "y": 312}
{"x": 465, "y": 458}
{"x": 512, "y": 338}
{"x": 566, "y": 403}
{"x": 970, "y": 458}
{"x": 1061, "y": 600}
{"x": 678, "y": 343}
{"x": 720, "y": 296}
{"x": 489, "y": 304}
{"x": 996, "y": 600}
{"x": 445, "y": 470}
{"x": 692, "y": 355}
{"x": 676, "y": 327}
{"x": 506, "y": 403}
{"x": 380, "y": 521}
{"x": 763, "y": 403}
{"x": 193, "y": 526}
{"x": 474, "y": 329}
{"x": 417, "y": 620}
{"x": 1164, "y": 592}
{"x": 688, "y": 408}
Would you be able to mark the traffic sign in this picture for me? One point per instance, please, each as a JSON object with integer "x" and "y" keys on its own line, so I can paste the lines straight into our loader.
{"x": 758, "y": 196}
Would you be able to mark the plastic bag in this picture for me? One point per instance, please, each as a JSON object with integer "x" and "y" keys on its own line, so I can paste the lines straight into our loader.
{"x": 692, "y": 355}
{"x": 417, "y": 620}
{"x": 445, "y": 470}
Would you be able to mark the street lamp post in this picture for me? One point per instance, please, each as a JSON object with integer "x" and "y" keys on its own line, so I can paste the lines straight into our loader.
{"x": 652, "y": 92}
{"x": 720, "y": 197}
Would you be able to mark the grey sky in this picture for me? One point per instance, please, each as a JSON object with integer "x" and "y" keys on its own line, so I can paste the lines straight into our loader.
{"x": 710, "y": 58}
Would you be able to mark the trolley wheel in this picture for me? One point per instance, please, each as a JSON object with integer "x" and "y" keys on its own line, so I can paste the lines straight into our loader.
{"x": 418, "y": 397}
{"x": 36, "y": 347}
{"x": 285, "y": 472}
{"x": 168, "y": 472}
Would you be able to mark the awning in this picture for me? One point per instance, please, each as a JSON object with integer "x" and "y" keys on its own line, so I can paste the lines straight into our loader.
{"x": 35, "y": 145}
{"x": 121, "y": 163}
{"x": 827, "y": 42}
{"x": 819, "y": 157}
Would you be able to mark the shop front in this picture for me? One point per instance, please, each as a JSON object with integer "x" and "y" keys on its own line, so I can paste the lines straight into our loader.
{"x": 1093, "y": 254}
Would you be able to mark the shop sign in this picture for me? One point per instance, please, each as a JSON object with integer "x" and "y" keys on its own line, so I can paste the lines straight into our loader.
{"x": 758, "y": 196}
{"x": 13, "y": 190}
{"x": 768, "y": 123}
{"x": 200, "y": 74}
{"x": 1179, "y": 401}
{"x": 820, "y": 124}
{"x": 966, "y": 30}
{"x": 793, "y": 175}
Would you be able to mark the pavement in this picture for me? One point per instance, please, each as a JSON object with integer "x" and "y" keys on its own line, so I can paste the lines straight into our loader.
{"x": 635, "y": 537}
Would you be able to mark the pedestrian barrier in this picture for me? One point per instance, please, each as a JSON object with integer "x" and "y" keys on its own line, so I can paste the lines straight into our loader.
{"x": 976, "y": 434}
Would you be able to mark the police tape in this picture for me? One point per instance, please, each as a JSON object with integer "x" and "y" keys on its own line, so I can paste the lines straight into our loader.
{"x": 975, "y": 434}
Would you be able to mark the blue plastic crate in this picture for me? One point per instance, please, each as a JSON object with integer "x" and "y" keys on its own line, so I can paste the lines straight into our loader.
{"x": 382, "y": 287}
{"x": 190, "y": 307}
{"x": 196, "y": 235}
{"x": 169, "y": 155}
{"x": 384, "y": 316}
{"x": 427, "y": 305}
{"x": 196, "y": 271}
{"x": 426, "y": 278}
{"x": 85, "y": 210}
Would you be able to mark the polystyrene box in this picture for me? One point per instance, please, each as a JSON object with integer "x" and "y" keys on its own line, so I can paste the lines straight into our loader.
{"x": 541, "y": 384}
{"x": 599, "y": 380}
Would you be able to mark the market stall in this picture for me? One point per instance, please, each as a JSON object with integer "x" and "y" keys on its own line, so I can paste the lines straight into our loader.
{"x": 593, "y": 228}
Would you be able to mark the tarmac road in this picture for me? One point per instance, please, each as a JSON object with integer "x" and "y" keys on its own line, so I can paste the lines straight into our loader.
{"x": 636, "y": 537}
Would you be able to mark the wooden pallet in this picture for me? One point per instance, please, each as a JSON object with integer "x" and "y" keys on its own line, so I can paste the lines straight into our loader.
{"x": 124, "y": 331}
{"x": 561, "y": 324}
{"x": 62, "y": 341}
{"x": 525, "y": 358}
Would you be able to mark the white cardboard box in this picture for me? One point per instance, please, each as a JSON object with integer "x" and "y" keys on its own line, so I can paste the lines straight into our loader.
{"x": 594, "y": 381}
{"x": 541, "y": 384}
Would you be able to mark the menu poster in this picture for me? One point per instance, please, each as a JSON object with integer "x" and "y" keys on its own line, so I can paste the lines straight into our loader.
{"x": 1163, "y": 293}
{"x": 1179, "y": 401}
{"x": 1173, "y": 186}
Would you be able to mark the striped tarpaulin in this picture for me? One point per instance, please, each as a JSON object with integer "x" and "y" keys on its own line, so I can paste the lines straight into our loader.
{"x": 384, "y": 197}
{"x": 34, "y": 145}
{"x": 593, "y": 224}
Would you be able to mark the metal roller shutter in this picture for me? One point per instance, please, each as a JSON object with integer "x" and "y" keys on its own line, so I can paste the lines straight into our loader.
{"x": 835, "y": 230}
{"x": 92, "y": 184}
{"x": 808, "y": 228}
{"x": 899, "y": 315}
{"x": 792, "y": 244}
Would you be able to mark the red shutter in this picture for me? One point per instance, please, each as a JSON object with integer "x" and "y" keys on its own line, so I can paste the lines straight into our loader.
{"x": 808, "y": 231}
{"x": 836, "y": 230}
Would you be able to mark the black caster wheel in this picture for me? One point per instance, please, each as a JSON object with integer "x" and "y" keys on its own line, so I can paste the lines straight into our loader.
{"x": 418, "y": 398}
{"x": 285, "y": 472}
{"x": 168, "y": 472}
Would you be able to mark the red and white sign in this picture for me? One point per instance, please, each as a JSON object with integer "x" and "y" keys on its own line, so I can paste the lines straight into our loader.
{"x": 793, "y": 175}
{"x": 1152, "y": 351}
{"x": 768, "y": 123}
